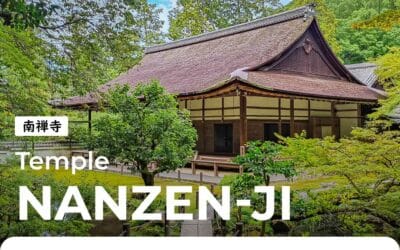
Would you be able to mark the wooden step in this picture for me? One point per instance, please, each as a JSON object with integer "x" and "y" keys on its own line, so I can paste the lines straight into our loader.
{"x": 214, "y": 158}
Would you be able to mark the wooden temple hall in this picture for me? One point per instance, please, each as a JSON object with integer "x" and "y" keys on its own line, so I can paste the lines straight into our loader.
{"x": 250, "y": 81}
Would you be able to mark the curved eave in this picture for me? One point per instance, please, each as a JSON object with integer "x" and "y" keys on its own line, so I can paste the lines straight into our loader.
{"x": 278, "y": 91}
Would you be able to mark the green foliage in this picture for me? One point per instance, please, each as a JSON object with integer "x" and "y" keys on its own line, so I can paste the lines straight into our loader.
{"x": 52, "y": 49}
{"x": 243, "y": 185}
{"x": 370, "y": 162}
{"x": 193, "y": 17}
{"x": 326, "y": 20}
{"x": 362, "y": 45}
{"x": 344, "y": 9}
{"x": 365, "y": 153}
{"x": 23, "y": 77}
{"x": 145, "y": 126}
{"x": 383, "y": 40}
{"x": 10, "y": 225}
{"x": 262, "y": 159}
{"x": 358, "y": 42}
{"x": 384, "y": 21}
{"x": 21, "y": 14}
{"x": 188, "y": 18}
{"x": 389, "y": 77}
{"x": 96, "y": 42}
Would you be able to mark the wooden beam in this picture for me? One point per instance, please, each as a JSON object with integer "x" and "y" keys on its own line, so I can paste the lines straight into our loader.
{"x": 272, "y": 108}
{"x": 291, "y": 117}
{"x": 243, "y": 118}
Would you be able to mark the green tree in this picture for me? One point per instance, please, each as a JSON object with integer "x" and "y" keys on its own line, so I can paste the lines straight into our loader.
{"x": 52, "y": 49}
{"x": 389, "y": 77}
{"x": 326, "y": 20}
{"x": 96, "y": 42}
{"x": 10, "y": 225}
{"x": 344, "y": 9}
{"x": 145, "y": 127}
{"x": 367, "y": 202}
{"x": 187, "y": 19}
{"x": 261, "y": 160}
{"x": 21, "y": 14}
{"x": 384, "y": 21}
{"x": 360, "y": 44}
{"x": 193, "y": 17}
{"x": 388, "y": 64}
{"x": 23, "y": 77}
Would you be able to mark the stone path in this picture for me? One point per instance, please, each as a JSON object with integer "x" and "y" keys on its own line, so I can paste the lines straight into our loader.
{"x": 198, "y": 227}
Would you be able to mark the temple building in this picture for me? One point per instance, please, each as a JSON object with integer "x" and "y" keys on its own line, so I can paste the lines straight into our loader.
{"x": 247, "y": 82}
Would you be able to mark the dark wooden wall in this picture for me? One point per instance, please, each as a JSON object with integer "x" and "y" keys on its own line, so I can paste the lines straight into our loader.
{"x": 205, "y": 132}
{"x": 255, "y": 131}
{"x": 255, "y": 128}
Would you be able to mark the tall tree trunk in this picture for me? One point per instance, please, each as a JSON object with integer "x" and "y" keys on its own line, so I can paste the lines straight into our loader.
{"x": 148, "y": 178}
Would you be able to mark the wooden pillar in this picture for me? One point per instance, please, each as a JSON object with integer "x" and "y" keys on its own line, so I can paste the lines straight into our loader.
{"x": 222, "y": 108}
{"x": 186, "y": 104}
{"x": 215, "y": 169}
{"x": 280, "y": 116}
{"x": 202, "y": 109}
{"x": 90, "y": 121}
{"x": 193, "y": 168}
{"x": 291, "y": 117}
{"x": 90, "y": 127}
{"x": 333, "y": 120}
{"x": 359, "y": 116}
{"x": 243, "y": 118}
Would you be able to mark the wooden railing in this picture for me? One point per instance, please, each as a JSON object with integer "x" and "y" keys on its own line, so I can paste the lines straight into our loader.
{"x": 14, "y": 145}
{"x": 216, "y": 162}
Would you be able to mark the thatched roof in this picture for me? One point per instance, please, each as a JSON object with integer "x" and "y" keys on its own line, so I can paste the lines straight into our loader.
{"x": 193, "y": 65}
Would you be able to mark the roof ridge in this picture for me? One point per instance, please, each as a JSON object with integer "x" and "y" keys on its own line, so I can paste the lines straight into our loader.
{"x": 304, "y": 12}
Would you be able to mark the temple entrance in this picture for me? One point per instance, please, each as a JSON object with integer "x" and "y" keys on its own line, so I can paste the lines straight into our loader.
{"x": 223, "y": 138}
